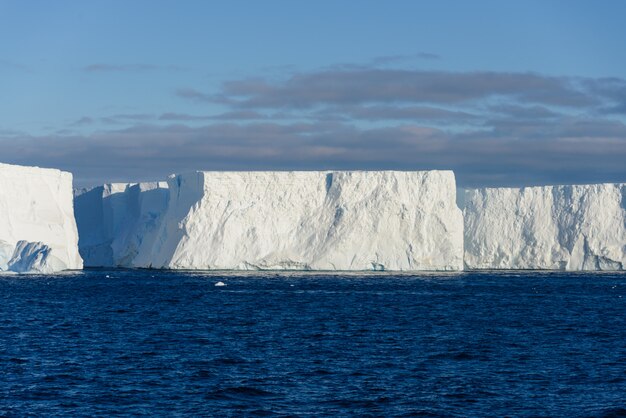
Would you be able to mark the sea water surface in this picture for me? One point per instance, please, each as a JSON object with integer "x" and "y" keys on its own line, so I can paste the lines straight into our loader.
{"x": 159, "y": 343}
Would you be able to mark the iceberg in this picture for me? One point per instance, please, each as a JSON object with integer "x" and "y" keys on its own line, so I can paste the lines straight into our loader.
{"x": 116, "y": 220}
{"x": 38, "y": 231}
{"x": 579, "y": 227}
{"x": 331, "y": 220}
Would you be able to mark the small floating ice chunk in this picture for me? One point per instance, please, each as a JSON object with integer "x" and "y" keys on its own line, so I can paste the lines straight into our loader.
{"x": 220, "y": 284}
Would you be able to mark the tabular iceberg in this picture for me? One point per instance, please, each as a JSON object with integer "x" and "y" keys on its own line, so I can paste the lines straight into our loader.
{"x": 579, "y": 227}
{"x": 362, "y": 220}
{"x": 116, "y": 220}
{"x": 37, "y": 228}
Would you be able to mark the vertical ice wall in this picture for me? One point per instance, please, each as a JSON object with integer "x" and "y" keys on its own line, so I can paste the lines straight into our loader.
{"x": 116, "y": 220}
{"x": 369, "y": 220}
{"x": 37, "y": 227}
{"x": 579, "y": 227}
{"x": 362, "y": 220}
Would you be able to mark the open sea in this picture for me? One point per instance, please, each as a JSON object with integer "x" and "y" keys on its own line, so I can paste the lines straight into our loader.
{"x": 160, "y": 343}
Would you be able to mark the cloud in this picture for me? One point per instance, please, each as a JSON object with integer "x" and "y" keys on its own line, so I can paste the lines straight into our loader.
{"x": 611, "y": 87}
{"x": 619, "y": 109}
{"x": 232, "y": 115}
{"x": 524, "y": 112}
{"x": 363, "y": 86}
{"x": 428, "y": 56}
{"x": 132, "y": 116}
{"x": 104, "y": 68}
{"x": 195, "y": 95}
{"x": 9, "y": 65}
{"x": 84, "y": 121}
{"x": 391, "y": 113}
{"x": 492, "y": 128}
{"x": 379, "y": 95}
{"x": 9, "y": 132}
{"x": 390, "y": 59}
{"x": 184, "y": 117}
{"x": 576, "y": 150}
{"x": 240, "y": 115}
{"x": 126, "y": 118}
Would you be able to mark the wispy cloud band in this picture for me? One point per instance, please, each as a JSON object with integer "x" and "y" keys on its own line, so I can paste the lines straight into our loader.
{"x": 492, "y": 128}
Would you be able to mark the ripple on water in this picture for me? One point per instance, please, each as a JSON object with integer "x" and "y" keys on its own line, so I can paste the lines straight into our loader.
{"x": 168, "y": 343}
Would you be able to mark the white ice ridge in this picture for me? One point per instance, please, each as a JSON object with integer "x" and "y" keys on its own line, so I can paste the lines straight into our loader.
{"x": 361, "y": 220}
{"x": 37, "y": 228}
{"x": 116, "y": 220}
{"x": 579, "y": 227}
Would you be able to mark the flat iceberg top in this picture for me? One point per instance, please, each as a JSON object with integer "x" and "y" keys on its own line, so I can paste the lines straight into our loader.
{"x": 568, "y": 227}
{"x": 24, "y": 168}
{"x": 307, "y": 172}
{"x": 15, "y": 171}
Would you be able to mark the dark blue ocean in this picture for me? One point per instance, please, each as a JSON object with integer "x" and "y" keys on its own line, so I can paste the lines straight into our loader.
{"x": 146, "y": 343}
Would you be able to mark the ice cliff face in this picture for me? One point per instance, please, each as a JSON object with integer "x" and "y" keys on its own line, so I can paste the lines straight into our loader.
{"x": 116, "y": 220}
{"x": 37, "y": 228}
{"x": 553, "y": 227}
{"x": 377, "y": 220}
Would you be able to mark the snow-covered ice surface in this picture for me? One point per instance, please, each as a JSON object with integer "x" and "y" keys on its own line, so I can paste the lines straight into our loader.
{"x": 116, "y": 220}
{"x": 37, "y": 228}
{"x": 580, "y": 227}
{"x": 361, "y": 220}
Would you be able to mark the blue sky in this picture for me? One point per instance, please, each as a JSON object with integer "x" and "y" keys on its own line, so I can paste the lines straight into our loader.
{"x": 504, "y": 93}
